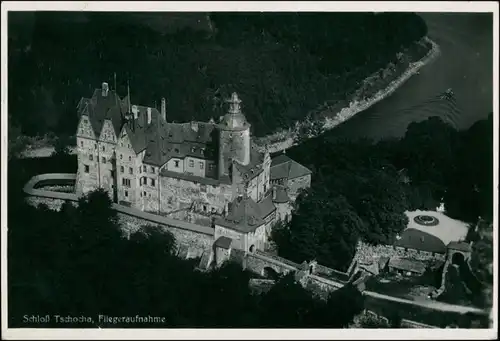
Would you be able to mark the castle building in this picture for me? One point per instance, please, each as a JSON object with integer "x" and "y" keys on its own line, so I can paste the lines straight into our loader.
{"x": 188, "y": 170}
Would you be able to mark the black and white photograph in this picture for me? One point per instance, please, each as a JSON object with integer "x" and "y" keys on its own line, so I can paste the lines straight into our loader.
{"x": 249, "y": 170}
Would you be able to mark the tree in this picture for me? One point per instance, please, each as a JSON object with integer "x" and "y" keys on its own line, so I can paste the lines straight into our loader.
{"x": 324, "y": 226}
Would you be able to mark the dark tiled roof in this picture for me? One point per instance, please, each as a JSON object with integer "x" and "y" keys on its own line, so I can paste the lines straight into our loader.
{"x": 266, "y": 206}
{"x": 407, "y": 265}
{"x": 284, "y": 167}
{"x": 98, "y": 108}
{"x": 254, "y": 168}
{"x": 223, "y": 242}
{"x": 244, "y": 216}
{"x": 460, "y": 246}
{"x": 167, "y": 140}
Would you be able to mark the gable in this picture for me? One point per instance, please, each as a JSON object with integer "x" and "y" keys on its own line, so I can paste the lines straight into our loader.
{"x": 124, "y": 140}
{"x": 85, "y": 128}
{"x": 108, "y": 132}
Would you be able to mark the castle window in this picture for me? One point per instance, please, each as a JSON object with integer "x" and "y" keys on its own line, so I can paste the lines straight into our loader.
{"x": 126, "y": 193}
{"x": 202, "y": 165}
{"x": 122, "y": 169}
{"x": 191, "y": 163}
{"x": 211, "y": 167}
{"x": 86, "y": 167}
{"x": 204, "y": 208}
{"x": 128, "y": 145}
{"x": 144, "y": 168}
{"x": 91, "y": 157}
{"x": 176, "y": 163}
{"x": 153, "y": 182}
{"x": 103, "y": 159}
{"x": 203, "y": 188}
{"x": 126, "y": 182}
{"x": 202, "y": 151}
{"x": 193, "y": 149}
{"x": 121, "y": 156}
{"x": 152, "y": 170}
{"x": 130, "y": 171}
{"x": 144, "y": 193}
{"x": 176, "y": 150}
{"x": 130, "y": 158}
{"x": 103, "y": 148}
{"x": 81, "y": 143}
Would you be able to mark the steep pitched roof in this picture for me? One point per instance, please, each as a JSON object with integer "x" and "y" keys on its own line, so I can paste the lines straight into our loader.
{"x": 98, "y": 108}
{"x": 266, "y": 206}
{"x": 166, "y": 140}
{"x": 254, "y": 167}
{"x": 282, "y": 167}
{"x": 244, "y": 215}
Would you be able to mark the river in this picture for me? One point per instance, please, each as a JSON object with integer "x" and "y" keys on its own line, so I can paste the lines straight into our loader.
{"x": 465, "y": 65}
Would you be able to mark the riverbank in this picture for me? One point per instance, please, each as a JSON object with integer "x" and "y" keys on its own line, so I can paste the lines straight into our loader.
{"x": 285, "y": 139}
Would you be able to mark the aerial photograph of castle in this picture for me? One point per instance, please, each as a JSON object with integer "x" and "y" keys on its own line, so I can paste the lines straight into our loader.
{"x": 171, "y": 169}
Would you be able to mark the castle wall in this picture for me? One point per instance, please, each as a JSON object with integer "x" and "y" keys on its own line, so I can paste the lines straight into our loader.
{"x": 171, "y": 165}
{"x": 106, "y": 149}
{"x": 150, "y": 187}
{"x": 195, "y": 166}
{"x": 294, "y": 185}
{"x": 127, "y": 167}
{"x": 283, "y": 211}
{"x": 233, "y": 145}
{"x": 178, "y": 194}
{"x": 238, "y": 238}
{"x": 86, "y": 145}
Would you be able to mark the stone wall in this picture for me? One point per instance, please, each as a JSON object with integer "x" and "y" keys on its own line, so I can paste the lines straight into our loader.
{"x": 53, "y": 204}
{"x": 367, "y": 254}
{"x": 196, "y": 242}
{"x": 178, "y": 194}
{"x": 129, "y": 167}
{"x": 294, "y": 185}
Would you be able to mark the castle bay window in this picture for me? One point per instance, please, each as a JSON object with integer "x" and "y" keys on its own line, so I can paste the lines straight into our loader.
{"x": 126, "y": 182}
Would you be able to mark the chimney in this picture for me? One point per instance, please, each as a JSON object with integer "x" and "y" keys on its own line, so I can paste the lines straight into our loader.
{"x": 149, "y": 115}
{"x": 135, "y": 111}
{"x": 194, "y": 125}
{"x": 164, "y": 108}
{"x": 274, "y": 193}
{"x": 105, "y": 89}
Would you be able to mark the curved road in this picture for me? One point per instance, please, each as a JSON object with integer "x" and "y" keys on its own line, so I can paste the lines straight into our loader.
{"x": 465, "y": 65}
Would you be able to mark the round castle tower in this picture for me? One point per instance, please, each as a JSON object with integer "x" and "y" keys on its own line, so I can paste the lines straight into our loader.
{"x": 234, "y": 137}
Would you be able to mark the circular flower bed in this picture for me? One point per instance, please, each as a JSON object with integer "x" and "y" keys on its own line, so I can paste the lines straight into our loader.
{"x": 426, "y": 220}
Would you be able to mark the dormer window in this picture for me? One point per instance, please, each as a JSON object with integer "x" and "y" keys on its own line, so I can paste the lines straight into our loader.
{"x": 176, "y": 150}
{"x": 193, "y": 149}
{"x": 176, "y": 163}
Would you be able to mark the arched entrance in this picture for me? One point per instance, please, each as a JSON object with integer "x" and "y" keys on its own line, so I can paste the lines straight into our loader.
{"x": 457, "y": 258}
